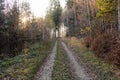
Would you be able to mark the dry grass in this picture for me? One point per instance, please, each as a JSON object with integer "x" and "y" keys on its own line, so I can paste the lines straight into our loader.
{"x": 61, "y": 70}
{"x": 104, "y": 70}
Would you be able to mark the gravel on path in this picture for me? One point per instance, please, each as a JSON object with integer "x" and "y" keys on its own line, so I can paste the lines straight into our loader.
{"x": 78, "y": 70}
{"x": 45, "y": 72}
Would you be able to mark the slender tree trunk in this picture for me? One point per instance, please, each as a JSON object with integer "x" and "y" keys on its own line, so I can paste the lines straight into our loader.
{"x": 43, "y": 35}
{"x": 89, "y": 15}
{"x": 88, "y": 12}
{"x": 119, "y": 17}
{"x": 55, "y": 32}
{"x": 58, "y": 32}
{"x": 75, "y": 16}
{"x": 68, "y": 24}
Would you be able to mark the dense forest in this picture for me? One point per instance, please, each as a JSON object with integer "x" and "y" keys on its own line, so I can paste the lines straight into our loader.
{"x": 27, "y": 40}
{"x": 16, "y": 28}
{"x": 96, "y": 22}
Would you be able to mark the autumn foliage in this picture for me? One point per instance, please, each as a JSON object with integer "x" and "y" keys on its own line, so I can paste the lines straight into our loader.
{"x": 100, "y": 17}
{"x": 106, "y": 46}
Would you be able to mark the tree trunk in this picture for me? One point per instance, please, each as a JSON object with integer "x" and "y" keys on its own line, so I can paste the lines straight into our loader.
{"x": 75, "y": 16}
{"x": 119, "y": 17}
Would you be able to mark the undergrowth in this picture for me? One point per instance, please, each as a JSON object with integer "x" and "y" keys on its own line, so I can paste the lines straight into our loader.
{"x": 24, "y": 67}
{"x": 107, "y": 47}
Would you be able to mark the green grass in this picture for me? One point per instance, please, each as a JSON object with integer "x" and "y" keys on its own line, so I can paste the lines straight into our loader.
{"x": 61, "y": 70}
{"x": 24, "y": 67}
{"x": 102, "y": 69}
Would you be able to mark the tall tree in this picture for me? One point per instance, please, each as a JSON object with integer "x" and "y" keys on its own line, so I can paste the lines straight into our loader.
{"x": 56, "y": 13}
{"x": 13, "y": 18}
{"x": 26, "y": 13}
{"x": 108, "y": 13}
{"x": 1, "y": 12}
{"x": 14, "y": 32}
{"x": 3, "y": 29}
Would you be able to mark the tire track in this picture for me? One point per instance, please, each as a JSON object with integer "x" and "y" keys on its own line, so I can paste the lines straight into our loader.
{"x": 45, "y": 72}
{"x": 78, "y": 70}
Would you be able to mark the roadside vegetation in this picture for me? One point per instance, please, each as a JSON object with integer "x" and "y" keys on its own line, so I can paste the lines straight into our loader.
{"x": 61, "y": 70}
{"x": 104, "y": 70}
{"x": 96, "y": 22}
{"x": 24, "y": 67}
{"x": 25, "y": 40}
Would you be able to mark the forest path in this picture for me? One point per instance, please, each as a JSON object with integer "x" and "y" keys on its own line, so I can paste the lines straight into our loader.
{"x": 45, "y": 72}
{"x": 79, "y": 71}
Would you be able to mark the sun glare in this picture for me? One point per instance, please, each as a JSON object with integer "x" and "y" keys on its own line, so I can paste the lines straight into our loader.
{"x": 24, "y": 19}
{"x": 39, "y": 7}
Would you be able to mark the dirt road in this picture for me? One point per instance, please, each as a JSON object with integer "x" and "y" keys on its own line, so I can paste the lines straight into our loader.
{"x": 46, "y": 70}
{"x": 78, "y": 70}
